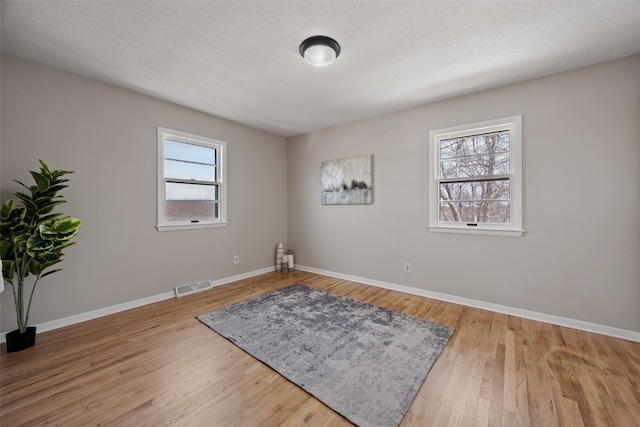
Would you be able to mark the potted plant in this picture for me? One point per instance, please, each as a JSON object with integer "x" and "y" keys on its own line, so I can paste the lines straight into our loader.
{"x": 32, "y": 237}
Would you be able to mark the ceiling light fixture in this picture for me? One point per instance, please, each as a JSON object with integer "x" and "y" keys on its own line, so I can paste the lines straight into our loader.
{"x": 320, "y": 51}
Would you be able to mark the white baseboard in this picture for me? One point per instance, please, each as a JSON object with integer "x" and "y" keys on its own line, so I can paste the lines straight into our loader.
{"x": 242, "y": 276}
{"x": 526, "y": 314}
{"x": 94, "y": 314}
{"x": 512, "y": 311}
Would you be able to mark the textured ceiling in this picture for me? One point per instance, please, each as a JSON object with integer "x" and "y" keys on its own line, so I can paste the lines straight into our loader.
{"x": 239, "y": 59}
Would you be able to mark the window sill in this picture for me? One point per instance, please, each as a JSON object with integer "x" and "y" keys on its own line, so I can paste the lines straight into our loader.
{"x": 477, "y": 231}
{"x": 190, "y": 226}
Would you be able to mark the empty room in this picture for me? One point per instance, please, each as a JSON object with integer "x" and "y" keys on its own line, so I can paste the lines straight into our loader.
{"x": 320, "y": 213}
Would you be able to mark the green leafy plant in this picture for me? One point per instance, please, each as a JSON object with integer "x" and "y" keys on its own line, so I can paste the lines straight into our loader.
{"x": 32, "y": 235}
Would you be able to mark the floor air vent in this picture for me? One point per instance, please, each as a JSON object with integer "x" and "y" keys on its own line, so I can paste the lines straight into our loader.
{"x": 192, "y": 288}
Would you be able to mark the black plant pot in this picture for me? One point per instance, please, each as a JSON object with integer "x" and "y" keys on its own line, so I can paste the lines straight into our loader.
{"x": 17, "y": 341}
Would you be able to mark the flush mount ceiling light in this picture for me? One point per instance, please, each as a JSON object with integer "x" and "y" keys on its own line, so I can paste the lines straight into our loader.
{"x": 320, "y": 51}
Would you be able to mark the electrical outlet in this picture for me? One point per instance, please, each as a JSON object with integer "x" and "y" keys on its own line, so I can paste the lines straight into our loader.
{"x": 236, "y": 259}
{"x": 407, "y": 267}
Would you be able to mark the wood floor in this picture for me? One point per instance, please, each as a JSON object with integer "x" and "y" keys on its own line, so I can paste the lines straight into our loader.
{"x": 159, "y": 366}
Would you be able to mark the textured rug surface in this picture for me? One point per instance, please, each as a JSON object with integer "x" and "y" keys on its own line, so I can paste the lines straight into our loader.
{"x": 365, "y": 362}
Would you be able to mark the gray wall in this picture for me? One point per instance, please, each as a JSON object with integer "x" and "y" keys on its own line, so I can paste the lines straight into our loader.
{"x": 580, "y": 256}
{"x": 108, "y": 137}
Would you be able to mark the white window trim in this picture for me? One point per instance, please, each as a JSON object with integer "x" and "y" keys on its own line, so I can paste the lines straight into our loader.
{"x": 515, "y": 227}
{"x": 221, "y": 147}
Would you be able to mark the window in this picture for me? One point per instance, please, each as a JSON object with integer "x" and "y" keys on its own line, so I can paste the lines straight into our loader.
{"x": 191, "y": 181}
{"x": 476, "y": 178}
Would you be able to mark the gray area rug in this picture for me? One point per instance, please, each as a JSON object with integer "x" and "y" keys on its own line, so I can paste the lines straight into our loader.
{"x": 365, "y": 362}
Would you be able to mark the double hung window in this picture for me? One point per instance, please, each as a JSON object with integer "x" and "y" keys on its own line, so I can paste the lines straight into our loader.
{"x": 191, "y": 181}
{"x": 476, "y": 178}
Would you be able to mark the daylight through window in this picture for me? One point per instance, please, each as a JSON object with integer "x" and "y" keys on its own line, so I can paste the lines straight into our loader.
{"x": 475, "y": 184}
{"x": 191, "y": 185}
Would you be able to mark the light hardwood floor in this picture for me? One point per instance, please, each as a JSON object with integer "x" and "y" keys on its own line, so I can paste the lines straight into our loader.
{"x": 159, "y": 366}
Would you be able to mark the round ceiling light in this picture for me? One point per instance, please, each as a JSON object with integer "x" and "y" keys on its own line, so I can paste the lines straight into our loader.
{"x": 320, "y": 51}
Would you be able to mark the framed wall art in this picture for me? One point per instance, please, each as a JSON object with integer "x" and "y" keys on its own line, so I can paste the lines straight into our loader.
{"x": 348, "y": 181}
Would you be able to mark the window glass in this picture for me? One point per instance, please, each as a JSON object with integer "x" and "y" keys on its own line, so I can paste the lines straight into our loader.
{"x": 476, "y": 182}
{"x": 191, "y": 185}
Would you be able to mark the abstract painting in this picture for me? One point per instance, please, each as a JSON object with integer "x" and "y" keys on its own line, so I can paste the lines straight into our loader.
{"x": 348, "y": 181}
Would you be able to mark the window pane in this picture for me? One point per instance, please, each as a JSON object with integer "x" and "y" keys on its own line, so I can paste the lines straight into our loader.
{"x": 190, "y": 210}
{"x": 475, "y": 212}
{"x": 475, "y": 190}
{"x": 488, "y": 143}
{"x": 190, "y": 181}
{"x": 189, "y": 152}
{"x": 476, "y": 187}
{"x": 473, "y": 166}
{"x": 182, "y": 170}
{"x": 190, "y": 201}
{"x": 180, "y": 191}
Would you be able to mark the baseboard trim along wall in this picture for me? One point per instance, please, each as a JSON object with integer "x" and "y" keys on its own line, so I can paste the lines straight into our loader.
{"x": 90, "y": 315}
{"x": 503, "y": 309}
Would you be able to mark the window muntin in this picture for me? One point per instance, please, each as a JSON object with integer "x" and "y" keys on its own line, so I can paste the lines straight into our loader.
{"x": 476, "y": 181}
{"x": 191, "y": 185}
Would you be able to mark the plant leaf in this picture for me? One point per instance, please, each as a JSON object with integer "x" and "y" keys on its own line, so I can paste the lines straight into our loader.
{"x": 57, "y": 187}
{"x": 48, "y": 264}
{"x": 64, "y": 244}
{"x": 27, "y": 201}
{"x": 43, "y": 210}
{"x": 6, "y": 209}
{"x": 51, "y": 272}
{"x": 43, "y": 182}
{"x": 43, "y": 165}
{"x": 35, "y": 268}
{"x": 47, "y": 228}
{"x": 5, "y": 248}
{"x": 50, "y": 217}
{"x": 22, "y": 184}
{"x": 67, "y": 225}
{"x": 12, "y": 271}
{"x": 37, "y": 243}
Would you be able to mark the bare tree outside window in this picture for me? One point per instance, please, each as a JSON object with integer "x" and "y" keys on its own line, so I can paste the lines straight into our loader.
{"x": 474, "y": 179}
